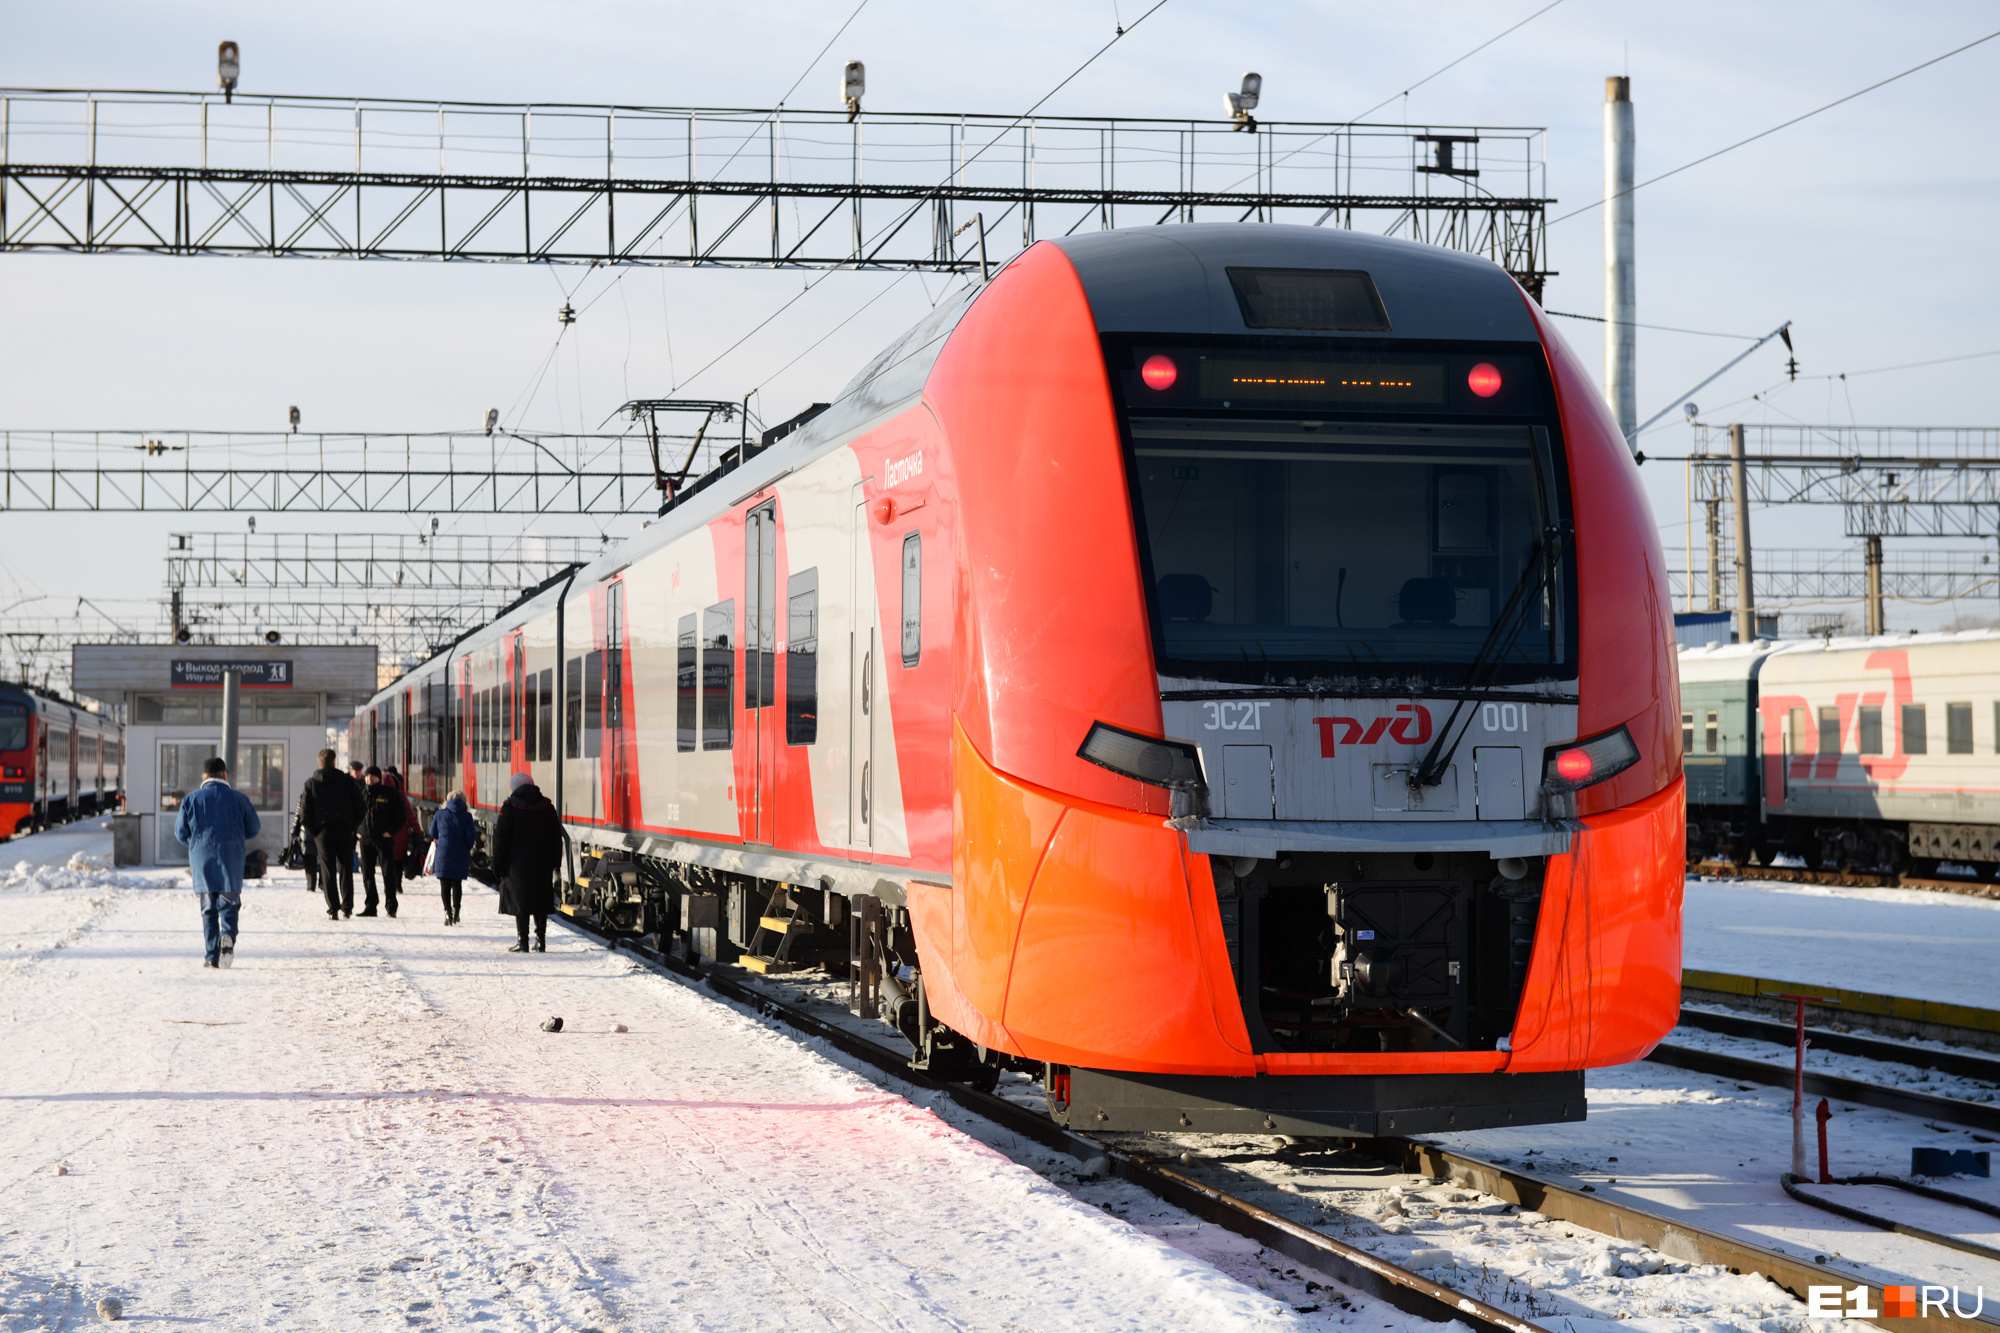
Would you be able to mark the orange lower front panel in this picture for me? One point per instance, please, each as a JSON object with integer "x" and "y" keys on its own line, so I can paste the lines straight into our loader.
{"x": 1087, "y": 935}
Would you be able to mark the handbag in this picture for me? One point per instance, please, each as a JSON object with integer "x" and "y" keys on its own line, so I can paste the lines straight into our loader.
{"x": 430, "y": 859}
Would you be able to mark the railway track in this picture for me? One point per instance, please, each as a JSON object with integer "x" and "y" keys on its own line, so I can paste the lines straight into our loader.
{"x": 1964, "y": 1064}
{"x": 1348, "y": 1265}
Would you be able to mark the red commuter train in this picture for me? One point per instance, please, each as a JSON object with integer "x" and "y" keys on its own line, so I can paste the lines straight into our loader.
{"x": 1226, "y": 670}
{"x": 58, "y": 761}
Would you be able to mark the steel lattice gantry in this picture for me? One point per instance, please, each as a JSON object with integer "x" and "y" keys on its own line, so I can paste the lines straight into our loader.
{"x": 245, "y": 562}
{"x": 186, "y": 174}
{"x": 1890, "y": 481}
{"x": 600, "y": 476}
{"x": 1839, "y": 575}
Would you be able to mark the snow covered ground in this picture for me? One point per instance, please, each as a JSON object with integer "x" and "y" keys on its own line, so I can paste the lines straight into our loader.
{"x": 361, "y": 1125}
{"x": 1910, "y": 942}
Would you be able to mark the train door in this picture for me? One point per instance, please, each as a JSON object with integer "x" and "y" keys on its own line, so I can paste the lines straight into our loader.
{"x": 861, "y": 667}
{"x": 760, "y": 668}
{"x": 614, "y": 701}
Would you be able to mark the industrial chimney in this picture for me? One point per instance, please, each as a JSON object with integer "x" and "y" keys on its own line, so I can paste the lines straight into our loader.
{"x": 1620, "y": 305}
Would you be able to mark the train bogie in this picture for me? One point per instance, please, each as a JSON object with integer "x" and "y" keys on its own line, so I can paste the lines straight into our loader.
{"x": 1200, "y": 660}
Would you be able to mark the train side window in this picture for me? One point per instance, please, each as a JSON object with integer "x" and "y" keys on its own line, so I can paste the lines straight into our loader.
{"x": 718, "y": 676}
{"x": 913, "y": 598}
{"x": 1958, "y": 728}
{"x": 1915, "y": 738}
{"x": 593, "y": 703}
{"x": 547, "y": 705}
{"x": 1712, "y": 733}
{"x": 1795, "y": 731}
{"x": 687, "y": 688}
{"x": 1829, "y": 730}
{"x": 802, "y": 658}
{"x": 573, "y": 709}
{"x": 1871, "y": 729}
{"x": 1687, "y": 733}
{"x": 530, "y": 716}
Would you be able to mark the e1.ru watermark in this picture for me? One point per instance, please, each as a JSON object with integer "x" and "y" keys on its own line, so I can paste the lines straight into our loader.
{"x": 1895, "y": 1302}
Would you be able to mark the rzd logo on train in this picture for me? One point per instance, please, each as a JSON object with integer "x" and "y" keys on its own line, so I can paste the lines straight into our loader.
{"x": 1412, "y": 728}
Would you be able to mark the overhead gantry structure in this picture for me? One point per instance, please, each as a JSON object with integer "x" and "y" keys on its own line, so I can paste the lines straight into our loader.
{"x": 373, "y": 178}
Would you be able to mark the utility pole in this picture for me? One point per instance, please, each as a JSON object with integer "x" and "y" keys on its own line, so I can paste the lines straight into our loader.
{"x": 1746, "y": 598}
{"x": 1714, "y": 508}
{"x": 1620, "y": 299}
{"x": 1871, "y": 567}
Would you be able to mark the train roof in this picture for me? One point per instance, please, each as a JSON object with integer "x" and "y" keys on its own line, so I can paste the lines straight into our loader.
{"x": 1725, "y": 661}
{"x": 1175, "y": 280}
{"x": 1739, "y": 661}
{"x": 46, "y": 698}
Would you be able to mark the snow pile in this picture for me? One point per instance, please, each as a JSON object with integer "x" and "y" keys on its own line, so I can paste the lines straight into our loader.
{"x": 84, "y": 870}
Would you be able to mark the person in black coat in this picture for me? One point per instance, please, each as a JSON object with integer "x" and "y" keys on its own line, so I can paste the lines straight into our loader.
{"x": 330, "y": 812}
{"x": 527, "y": 850}
{"x": 385, "y": 813}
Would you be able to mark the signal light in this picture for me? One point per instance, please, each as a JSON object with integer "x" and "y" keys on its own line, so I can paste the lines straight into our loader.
{"x": 1159, "y": 372}
{"x": 1484, "y": 379}
{"x": 1586, "y": 763}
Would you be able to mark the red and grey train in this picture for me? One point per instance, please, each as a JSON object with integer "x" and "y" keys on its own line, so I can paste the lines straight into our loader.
{"x": 1025, "y": 672}
{"x": 58, "y": 761}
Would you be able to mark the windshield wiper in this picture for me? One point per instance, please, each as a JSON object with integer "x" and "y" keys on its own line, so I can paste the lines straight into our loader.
{"x": 1512, "y": 620}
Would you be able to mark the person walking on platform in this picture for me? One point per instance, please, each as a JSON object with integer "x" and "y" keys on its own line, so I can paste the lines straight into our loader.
{"x": 299, "y": 844}
{"x": 330, "y": 812}
{"x": 452, "y": 836}
{"x": 413, "y": 826}
{"x": 527, "y": 849}
{"x": 384, "y": 815}
{"x": 215, "y": 824}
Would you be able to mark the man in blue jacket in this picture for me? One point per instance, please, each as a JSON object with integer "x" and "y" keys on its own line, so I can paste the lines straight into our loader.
{"x": 216, "y": 823}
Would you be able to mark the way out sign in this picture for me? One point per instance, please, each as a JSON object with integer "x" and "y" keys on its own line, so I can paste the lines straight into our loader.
{"x": 196, "y": 674}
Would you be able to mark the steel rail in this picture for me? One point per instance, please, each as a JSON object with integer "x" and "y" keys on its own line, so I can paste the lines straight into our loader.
{"x": 1960, "y": 1063}
{"x": 1922, "y": 1105}
{"x": 1670, "y": 1236}
{"x": 1345, "y": 1264}
{"x": 1792, "y": 1185}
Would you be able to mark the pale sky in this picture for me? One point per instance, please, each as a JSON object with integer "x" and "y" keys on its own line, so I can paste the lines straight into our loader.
{"x": 1869, "y": 226}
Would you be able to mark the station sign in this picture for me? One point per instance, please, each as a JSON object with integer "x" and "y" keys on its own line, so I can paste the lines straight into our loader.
{"x": 195, "y": 674}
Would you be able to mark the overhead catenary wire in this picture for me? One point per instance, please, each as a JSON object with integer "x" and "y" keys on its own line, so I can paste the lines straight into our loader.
{"x": 1460, "y": 61}
{"x": 1308, "y": 144}
{"x": 1664, "y": 328}
{"x": 1765, "y": 134}
{"x": 1066, "y": 81}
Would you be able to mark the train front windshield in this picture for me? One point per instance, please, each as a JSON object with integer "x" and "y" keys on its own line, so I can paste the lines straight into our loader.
{"x": 13, "y": 727}
{"x": 1347, "y": 514}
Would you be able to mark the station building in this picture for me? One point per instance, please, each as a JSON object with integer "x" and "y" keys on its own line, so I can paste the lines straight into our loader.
{"x": 171, "y": 698}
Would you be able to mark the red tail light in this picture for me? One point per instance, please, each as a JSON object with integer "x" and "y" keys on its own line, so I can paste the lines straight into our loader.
{"x": 1484, "y": 379}
{"x": 1587, "y": 763}
{"x": 1159, "y": 372}
{"x": 13, "y": 771}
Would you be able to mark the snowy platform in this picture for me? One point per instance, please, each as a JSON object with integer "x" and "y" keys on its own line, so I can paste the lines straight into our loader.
{"x": 1908, "y": 942}
{"x": 361, "y": 1126}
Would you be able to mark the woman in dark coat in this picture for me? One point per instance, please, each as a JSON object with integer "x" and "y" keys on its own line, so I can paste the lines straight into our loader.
{"x": 527, "y": 849}
{"x": 452, "y": 836}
